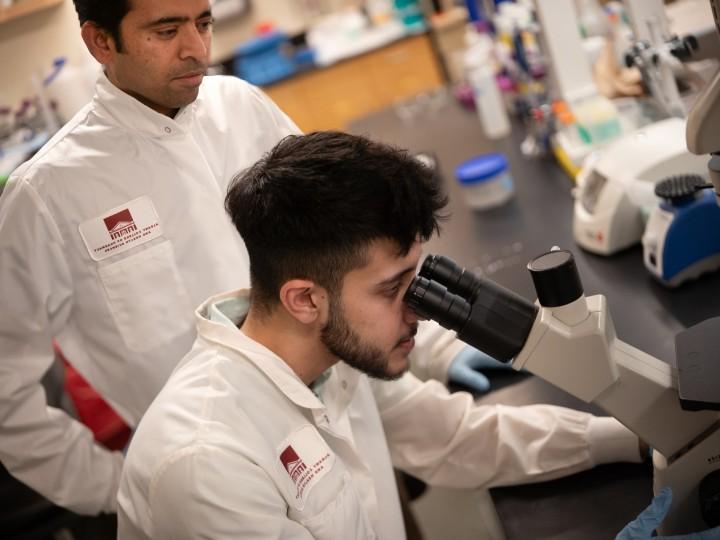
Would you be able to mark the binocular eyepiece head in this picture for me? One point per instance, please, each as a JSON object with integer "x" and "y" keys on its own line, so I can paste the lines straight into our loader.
{"x": 431, "y": 300}
{"x": 485, "y": 315}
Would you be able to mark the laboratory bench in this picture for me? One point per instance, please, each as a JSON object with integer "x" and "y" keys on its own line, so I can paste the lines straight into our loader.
{"x": 498, "y": 243}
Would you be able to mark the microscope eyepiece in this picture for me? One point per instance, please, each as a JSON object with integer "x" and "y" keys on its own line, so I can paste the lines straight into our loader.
{"x": 430, "y": 300}
{"x": 454, "y": 277}
{"x": 484, "y": 314}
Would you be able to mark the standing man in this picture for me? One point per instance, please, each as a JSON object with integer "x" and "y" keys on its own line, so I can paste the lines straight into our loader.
{"x": 288, "y": 414}
{"x": 114, "y": 232}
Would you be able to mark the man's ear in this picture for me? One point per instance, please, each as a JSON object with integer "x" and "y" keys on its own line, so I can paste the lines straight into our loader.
{"x": 304, "y": 300}
{"x": 98, "y": 41}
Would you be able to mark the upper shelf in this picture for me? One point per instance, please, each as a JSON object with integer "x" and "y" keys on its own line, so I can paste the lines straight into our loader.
{"x": 20, "y": 8}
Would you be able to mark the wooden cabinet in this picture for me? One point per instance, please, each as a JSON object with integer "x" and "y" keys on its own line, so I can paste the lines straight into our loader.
{"x": 331, "y": 97}
{"x": 21, "y": 8}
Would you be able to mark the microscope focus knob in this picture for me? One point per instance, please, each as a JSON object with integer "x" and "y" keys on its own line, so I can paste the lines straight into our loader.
{"x": 556, "y": 279}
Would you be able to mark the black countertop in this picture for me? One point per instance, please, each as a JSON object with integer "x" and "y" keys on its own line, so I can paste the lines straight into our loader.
{"x": 499, "y": 243}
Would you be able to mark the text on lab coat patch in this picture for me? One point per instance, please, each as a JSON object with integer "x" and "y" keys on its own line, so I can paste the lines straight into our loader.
{"x": 306, "y": 458}
{"x": 121, "y": 228}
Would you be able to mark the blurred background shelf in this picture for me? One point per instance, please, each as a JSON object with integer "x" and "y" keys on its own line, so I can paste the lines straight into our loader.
{"x": 333, "y": 96}
{"x": 25, "y": 7}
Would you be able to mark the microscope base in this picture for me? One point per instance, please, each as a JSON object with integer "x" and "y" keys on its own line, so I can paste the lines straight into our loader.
{"x": 684, "y": 475}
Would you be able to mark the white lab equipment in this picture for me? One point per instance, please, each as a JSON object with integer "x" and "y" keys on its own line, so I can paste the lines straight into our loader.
{"x": 615, "y": 186}
{"x": 569, "y": 340}
{"x": 682, "y": 237}
{"x": 654, "y": 53}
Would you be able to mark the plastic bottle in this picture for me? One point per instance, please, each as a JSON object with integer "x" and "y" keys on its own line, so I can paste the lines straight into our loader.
{"x": 480, "y": 73}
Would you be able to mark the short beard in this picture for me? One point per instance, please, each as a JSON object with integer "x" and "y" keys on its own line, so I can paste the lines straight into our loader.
{"x": 346, "y": 345}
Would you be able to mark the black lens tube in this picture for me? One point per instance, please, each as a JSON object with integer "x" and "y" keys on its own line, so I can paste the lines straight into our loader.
{"x": 447, "y": 272}
{"x": 431, "y": 300}
{"x": 497, "y": 321}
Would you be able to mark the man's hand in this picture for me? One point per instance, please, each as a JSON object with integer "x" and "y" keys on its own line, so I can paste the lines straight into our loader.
{"x": 642, "y": 527}
{"x": 465, "y": 369}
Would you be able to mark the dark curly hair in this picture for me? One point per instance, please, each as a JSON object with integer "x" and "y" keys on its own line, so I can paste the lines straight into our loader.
{"x": 107, "y": 14}
{"x": 312, "y": 205}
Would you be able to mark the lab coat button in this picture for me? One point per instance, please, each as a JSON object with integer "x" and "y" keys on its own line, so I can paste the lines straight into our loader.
{"x": 168, "y": 130}
{"x": 344, "y": 385}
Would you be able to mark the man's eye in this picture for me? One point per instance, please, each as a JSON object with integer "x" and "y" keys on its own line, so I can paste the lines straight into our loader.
{"x": 392, "y": 292}
{"x": 168, "y": 33}
{"x": 205, "y": 26}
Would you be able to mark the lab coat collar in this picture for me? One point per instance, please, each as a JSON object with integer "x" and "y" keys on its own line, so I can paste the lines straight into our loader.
{"x": 131, "y": 114}
{"x": 213, "y": 318}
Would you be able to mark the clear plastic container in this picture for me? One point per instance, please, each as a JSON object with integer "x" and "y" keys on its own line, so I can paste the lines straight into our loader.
{"x": 480, "y": 73}
{"x": 486, "y": 181}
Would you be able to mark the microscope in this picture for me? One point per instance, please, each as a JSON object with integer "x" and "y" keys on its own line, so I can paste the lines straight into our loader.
{"x": 569, "y": 340}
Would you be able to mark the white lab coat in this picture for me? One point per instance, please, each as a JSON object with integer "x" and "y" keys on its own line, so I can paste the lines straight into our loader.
{"x": 121, "y": 308}
{"x": 236, "y": 446}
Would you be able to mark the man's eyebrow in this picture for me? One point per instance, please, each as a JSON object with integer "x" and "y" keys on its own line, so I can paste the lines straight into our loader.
{"x": 176, "y": 20}
{"x": 396, "y": 277}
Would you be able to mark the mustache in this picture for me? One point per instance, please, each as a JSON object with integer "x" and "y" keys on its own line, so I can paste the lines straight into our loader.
{"x": 411, "y": 333}
{"x": 190, "y": 68}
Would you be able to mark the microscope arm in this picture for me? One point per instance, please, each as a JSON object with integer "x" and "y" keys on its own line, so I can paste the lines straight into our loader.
{"x": 569, "y": 340}
{"x": 575, "y": 348}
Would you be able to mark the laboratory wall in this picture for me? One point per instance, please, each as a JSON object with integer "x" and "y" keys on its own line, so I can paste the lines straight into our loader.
{"x": 29, "y": 44}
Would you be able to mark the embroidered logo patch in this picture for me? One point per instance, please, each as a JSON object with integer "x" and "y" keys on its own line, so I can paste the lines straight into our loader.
{"x": 121, "y": 228}
{"x": 306, "y": 458}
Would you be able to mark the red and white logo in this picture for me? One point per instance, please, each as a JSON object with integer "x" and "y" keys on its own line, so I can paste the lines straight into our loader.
{"x": 292, "y": 463}
{"x": 120, "y": 224}
{"x": 306, "y": 458}
{"x": 121, "y": 228}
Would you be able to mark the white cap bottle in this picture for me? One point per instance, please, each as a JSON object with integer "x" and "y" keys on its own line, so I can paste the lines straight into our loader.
{"x": 480, "y": 73}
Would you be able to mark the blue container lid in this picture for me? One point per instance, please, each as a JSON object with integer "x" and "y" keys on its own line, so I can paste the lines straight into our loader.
{"x": 261, "y": 43}
{"x": 481, "y": 168}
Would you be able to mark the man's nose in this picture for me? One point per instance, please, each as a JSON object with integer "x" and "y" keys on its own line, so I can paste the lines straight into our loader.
{"x": 409, "y": 316}
{"x": 194, "y": 44}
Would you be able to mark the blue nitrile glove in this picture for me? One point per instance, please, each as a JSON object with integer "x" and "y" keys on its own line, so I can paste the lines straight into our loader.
{"x": 642, "y": 527}
{"x": 464, "y": 369}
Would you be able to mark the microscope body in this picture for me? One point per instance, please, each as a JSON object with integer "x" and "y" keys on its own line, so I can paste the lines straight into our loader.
{"x": 575, "y": 348}
{"x": 569, "y": 340}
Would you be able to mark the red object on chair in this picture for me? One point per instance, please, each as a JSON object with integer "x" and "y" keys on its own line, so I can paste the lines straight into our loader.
{"x": 108, "y": 428}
